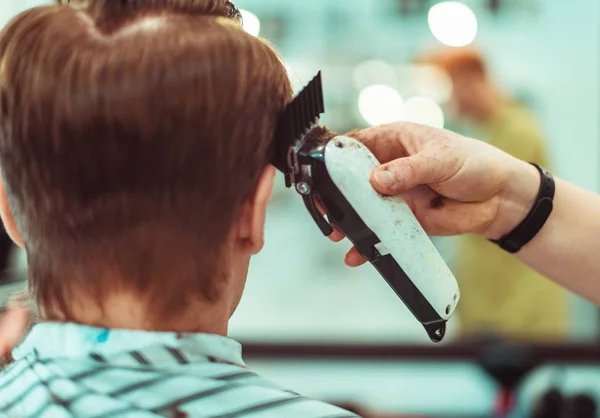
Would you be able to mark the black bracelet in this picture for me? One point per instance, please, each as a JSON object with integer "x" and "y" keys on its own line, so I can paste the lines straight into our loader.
{"x": 535, "y": 220}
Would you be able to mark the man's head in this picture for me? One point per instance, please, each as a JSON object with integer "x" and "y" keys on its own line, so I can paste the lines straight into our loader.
{"x": 468, "y": 71}
{"x": 134, "y": 146}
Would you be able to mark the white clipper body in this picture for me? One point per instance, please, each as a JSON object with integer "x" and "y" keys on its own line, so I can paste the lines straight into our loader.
{"x": 350, "y": 165}
{"x": 383, "y": 229}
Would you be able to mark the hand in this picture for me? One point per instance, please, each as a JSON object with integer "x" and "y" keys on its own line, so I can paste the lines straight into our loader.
{"x": 14, "y": 323}
{"x": 453, "y": 184}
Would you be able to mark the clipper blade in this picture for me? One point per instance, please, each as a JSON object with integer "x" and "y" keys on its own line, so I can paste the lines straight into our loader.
{"x": 296, "y": 120}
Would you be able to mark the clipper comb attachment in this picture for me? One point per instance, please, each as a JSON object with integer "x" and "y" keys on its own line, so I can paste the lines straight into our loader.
{"x": 296, "y": 120}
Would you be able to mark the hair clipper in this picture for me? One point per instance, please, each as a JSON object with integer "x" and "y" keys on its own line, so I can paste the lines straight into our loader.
{"x": 336, "y": 176}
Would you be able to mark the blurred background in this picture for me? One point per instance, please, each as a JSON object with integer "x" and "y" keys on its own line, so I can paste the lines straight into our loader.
{"x": 520, "y": 74}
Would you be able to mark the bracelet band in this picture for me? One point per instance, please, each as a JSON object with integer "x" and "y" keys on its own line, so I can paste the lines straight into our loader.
{"x": 535, "y": 220}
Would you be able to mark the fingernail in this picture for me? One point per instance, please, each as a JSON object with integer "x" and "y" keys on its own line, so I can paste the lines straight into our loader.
{"x": 385, "y": 178}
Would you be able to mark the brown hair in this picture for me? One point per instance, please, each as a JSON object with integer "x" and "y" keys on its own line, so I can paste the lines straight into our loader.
{"x": 131, "y": 133}
{"x": 457, "y": 61}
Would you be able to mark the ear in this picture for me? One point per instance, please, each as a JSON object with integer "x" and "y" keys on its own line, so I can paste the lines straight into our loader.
{"x": 8, "y": 219}
{"x": 251, "y": 230}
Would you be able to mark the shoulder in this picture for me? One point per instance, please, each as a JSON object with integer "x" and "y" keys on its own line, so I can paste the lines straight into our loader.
{"x": 517, "y": 132}
{"x": 241, "y": 393}
{"x": 20, "y": 387}
{"x": 520, "y": 120}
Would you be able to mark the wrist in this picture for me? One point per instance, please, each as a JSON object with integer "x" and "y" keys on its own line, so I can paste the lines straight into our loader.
{"x": 516, "y": 199}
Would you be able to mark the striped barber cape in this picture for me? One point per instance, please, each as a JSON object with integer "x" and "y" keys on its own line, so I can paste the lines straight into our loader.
{"x": 68, "y": 370}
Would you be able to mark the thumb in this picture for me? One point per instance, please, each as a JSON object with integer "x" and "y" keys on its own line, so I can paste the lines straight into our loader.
{"x": 404, "y": 174}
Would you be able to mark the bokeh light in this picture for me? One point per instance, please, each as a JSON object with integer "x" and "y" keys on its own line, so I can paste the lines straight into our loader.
{"x": 453, "y": 24}
{"x": 373, "y": 72}
{"x": 380, "y": 104}
{"x": 251, "y": 22}
{"x": 431, "y": 81}
{"x": 425, "y": 111}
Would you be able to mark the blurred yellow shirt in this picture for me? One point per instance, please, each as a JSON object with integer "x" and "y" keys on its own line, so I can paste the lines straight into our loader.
{"x": 499, "y": 294}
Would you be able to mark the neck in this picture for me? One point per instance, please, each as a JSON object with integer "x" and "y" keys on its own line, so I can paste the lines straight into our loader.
{"x": 171, "y": 292}
{"x": 491, "y": 102}
{"x": 127, "y": 311}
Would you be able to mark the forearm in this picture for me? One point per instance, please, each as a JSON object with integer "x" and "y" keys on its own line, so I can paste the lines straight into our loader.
{"x": 566, "y": 249}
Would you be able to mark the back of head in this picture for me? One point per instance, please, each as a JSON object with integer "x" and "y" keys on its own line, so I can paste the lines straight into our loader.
{"x": 132, "y": 132}
{"x": 457, "y": 61}
{"x": 475, "y": 96}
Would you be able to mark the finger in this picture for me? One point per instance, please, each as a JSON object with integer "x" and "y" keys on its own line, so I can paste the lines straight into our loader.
{"x": 354, "y": 259}
{"x": 404, "y": 174}
{"x": 383, "y": 141}
{"x": 336, "y": 235}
